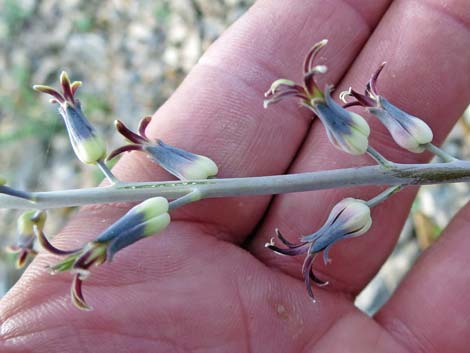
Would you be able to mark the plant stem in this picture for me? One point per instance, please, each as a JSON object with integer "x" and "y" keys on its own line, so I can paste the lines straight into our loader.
{"x": 193, "y": 196}
{"x": 397, "y": 174}
{"x": 107, "y": 172}
{"x": 384, "y": 195}
{"x": 6, "y": 190}
{"x": 378, "y": 157}
{"x": 440, "y": 153}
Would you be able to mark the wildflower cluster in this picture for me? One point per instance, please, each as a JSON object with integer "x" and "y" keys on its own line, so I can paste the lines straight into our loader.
{"x": 346, "y": 130}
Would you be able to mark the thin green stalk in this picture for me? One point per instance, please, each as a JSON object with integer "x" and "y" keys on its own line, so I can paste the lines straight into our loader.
{"x": 398, "y": 174}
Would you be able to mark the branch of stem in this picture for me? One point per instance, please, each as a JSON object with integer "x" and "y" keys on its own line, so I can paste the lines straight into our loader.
{"x": 399, "y": 174}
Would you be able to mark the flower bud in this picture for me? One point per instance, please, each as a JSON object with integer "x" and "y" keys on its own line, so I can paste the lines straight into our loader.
{"x": 346, "y": 130}
{"x": 26, "y": 235}
{"x": 408, "y": 131}
{"x": 88, "y": 146}
{"x": 182, "y": 164}
{"x": 348, "y": 218}
{"x": 145, "y": 219}
{"x": 3, "y": 181}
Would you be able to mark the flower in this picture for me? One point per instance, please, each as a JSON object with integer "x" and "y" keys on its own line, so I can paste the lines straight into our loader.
{"x": 178, "y": 162}
{"x": 26, "y": 235}
{"x": 346, "y": 130}
{"x": 348, "y": 218}
{"x": 308, "y": 90}
{"x": 88, "y": 146}
{"x": 141, "y": 221}
{"x": 408, "y": 131}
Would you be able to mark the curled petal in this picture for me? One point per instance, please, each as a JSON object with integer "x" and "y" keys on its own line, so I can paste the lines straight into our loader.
{"x": 46, "y": 244}
{"x": 66, "y": 87}
{"x": 317, "y": 281}
{"x": 306, "y": 270}
{"x": 51, "y": 91}
{"x": 77, "y": 294}
{"x": 285, "y": 241}
{"x": 74, "y": 86}
{"x": 143, "y": 126}
{"x": 371, "y": 89}
{"x": 289, "y": 251}
{"x": 128, "y": 134}
{"x": 312, "y": 54}
{"x": 21, "y": 259}
{"x": 281, "y": 95}
{"x": 127, "y": 148}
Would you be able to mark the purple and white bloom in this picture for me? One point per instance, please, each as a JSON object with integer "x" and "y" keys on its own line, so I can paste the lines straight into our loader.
{"x": 26, "y": 235}
{"x": 408, "y": 131}
{"x": 178, "y": 162}
{"x": 146, "y": 219}
{"x": 346, "y": 130}
{"x": 87, "y": 144}
{"x": 348, "y": 218}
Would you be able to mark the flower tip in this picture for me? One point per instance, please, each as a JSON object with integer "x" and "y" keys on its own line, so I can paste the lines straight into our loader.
{"x": 344, "y": 95}
{"x": 64, "y": 77}
{"x": 43, "y": 89}
{"x": 77, "y": 295}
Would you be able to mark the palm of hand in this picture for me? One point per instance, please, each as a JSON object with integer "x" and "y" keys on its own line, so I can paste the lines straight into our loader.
{"x": 207, "y": 283}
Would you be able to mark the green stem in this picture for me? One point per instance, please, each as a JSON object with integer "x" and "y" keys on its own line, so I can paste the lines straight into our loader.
{"x": 192, "y": 196}
{"x": 384, "y": 195}
{"x": 440, "y": 153}
{"x": 378, "y": 157}
{"x": 397, "y": 174}
{"x": 107, "y": 172}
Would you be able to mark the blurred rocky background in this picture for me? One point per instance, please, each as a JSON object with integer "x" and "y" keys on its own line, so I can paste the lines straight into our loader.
{"x": 131, "y": 56}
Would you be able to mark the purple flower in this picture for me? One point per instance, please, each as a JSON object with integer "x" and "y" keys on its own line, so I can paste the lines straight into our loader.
{"x": 178, "y": 162}
{"x": 88, "y": 146}
{"x": 348, "y": 218}
{"x": 408, "y": 131}
{"x": 26, "y": 235}
{"x": 141, "y": 221}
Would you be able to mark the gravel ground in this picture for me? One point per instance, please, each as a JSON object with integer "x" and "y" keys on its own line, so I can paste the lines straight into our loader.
{"x": 131, "y": 56}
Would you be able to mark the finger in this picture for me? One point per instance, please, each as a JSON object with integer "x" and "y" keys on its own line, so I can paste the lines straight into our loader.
{"x": 218, "y": 110}
{"x": 424, "y": 77}
{"x": 429, "y": 312}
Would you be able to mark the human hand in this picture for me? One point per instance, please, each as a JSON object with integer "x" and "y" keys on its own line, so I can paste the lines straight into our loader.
{"x": 207, "y": 283}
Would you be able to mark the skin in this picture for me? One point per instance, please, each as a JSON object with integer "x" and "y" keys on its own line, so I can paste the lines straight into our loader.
{"x": 207, "y": 284}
